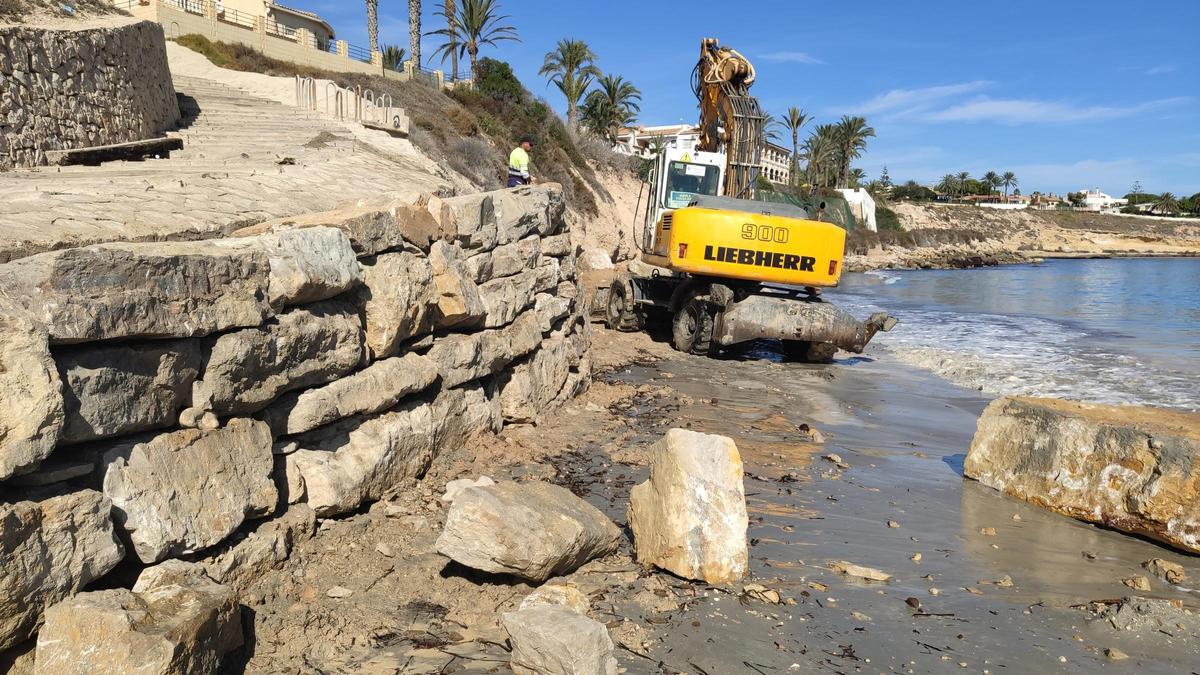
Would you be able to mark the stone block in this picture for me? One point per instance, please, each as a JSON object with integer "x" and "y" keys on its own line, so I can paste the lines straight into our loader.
{"x": 181, "y": 492}
{"x": 123, "y": 388}
{"x": 1130, "y": 468}
{"x": 31, "y": 402}
{"x": 689, "y": 517}
{"x": 530, "y": 386}
{"x": 172, "y": 622}
{"x": 308, "y": 345}
{"x": 395, "y": 301}
{"x": 154, "y": 290}
{"x": 554, "y": 640}
{"x": 348, "y": 463}
{"x": 49, "y": 550}
{"x": 470, "y": 356}
{"x": 530, "y": 530}
{"x": 377, "y": 387}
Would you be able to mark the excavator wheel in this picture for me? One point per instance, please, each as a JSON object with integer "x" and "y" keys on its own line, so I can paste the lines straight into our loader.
{"x": 619, "y": 314}
{"x": 692, "y": 327}
{"x": 804, "y": 351}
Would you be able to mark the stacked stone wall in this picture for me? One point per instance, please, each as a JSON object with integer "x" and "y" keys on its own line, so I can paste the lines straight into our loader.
{"x": 161, "y": 400}
{"x": 67, "y": 88}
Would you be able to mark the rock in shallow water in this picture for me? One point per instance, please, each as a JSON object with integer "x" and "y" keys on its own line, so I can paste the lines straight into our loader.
{"x": 1130, "y": 468}
{"x": 529, "y": 530}
{"x": 557, "y": 640}
{"x": 689, "y": 518}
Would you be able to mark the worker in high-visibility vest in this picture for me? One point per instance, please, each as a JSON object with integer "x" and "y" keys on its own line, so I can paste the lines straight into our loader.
{"x": 518, "y": 164}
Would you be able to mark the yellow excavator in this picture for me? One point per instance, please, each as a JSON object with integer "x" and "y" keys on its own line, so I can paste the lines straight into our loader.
{"x": 721, "y": 265}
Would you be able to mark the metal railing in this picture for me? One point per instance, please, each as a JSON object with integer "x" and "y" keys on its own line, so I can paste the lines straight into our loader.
{"x": 342, "y": 103}
{"x": 128, "y": 5}
{"x": 273, "y": 27}
{"x": 189, "y": 6}
{"x": 236, "y": 18}
{"x": 358, "y": 53}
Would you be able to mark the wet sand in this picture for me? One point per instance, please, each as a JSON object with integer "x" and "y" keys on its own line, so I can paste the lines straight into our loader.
{"x": 903, "y": 434}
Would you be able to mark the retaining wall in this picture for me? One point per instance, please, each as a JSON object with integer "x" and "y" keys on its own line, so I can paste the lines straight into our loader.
{"x": 159, "y": 399}
{"x": 64, "y": 88}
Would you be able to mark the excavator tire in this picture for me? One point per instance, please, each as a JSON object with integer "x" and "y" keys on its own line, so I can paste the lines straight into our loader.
{"x": 619, "y": 313}
{"x": 804, "y": 351}
{"x": 692, "y": 327}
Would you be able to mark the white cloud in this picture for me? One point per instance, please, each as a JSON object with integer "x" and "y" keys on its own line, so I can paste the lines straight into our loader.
{"x": 1113, "y": 176}
{"x": 1160, "y": 69}
{"x": 792, "y": 57}
{"x": 902, "y": 101}
{"x": 1025, "y": 111}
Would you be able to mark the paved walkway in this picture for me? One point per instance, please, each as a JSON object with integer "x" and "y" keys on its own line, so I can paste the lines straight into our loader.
{"x": 246, "y": 158}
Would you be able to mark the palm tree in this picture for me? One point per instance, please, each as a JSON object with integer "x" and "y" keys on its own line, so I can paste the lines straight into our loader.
{"x": 962, "y": 179}
{"x": 393, "y": 57}
{"x": 414, "y": 31}
{"x": 856, "y": 177}
{"x": 853, "y": 133}
{"x": 770, "y": 128}
{"x": 991, "y": 181}
{"x": 572, "y": 69}
{"x": 373, "y": 24}
{"x": 613, "y": 105}
{"x": 1167, "y": 203}
{"x": 449, "y": 48}
{"x": 794, "y": 121}
{"x": 476, "y": 26}
{"x": 1008, "y": 180}
{"x": 948, "y": 185}
{"x": 820, "y": 153}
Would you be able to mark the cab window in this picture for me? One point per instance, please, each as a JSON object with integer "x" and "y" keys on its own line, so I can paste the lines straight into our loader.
{"x": 686, "y": 180}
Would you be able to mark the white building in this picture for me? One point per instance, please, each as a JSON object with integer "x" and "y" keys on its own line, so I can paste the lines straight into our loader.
{"x": 862, "y": 205}
{"x": 1095, "y": 200}
{"x": 642, "y": 141}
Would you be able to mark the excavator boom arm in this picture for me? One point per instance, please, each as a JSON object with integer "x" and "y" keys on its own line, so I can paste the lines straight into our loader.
{"x": 730, "y": 117}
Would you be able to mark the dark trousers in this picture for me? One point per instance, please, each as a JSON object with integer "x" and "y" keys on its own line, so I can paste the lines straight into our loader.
{"x": 517, "y": 181}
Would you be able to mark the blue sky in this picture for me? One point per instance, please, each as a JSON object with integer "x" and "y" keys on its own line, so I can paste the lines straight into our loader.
{"x": 1066, "y": 93}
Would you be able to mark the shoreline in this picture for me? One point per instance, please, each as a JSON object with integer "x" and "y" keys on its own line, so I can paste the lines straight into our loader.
{"x": 899, "y": 431}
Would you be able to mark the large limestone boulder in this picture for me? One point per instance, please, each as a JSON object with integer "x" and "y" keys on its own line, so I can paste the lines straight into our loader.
{"x": 529, "y": 387}
{"x": 395, "y": 301}
{"x": 531, "y": 209}
{"x": 174, "y": 621}
{"x": 249, "y": 368}
{"x": 458, "y": 303}
{"x": 529, "y": 530}
{"x": 263, "y": 549}
{"x": 689, "y": 517}
{"x": 377, "y": 387}
{"x": 180, "y": 492}
{"x": 371, "y": 225}
{"x": 307, "y": 265}
{"x": 49, "y": 550}
{"x": 128, "y": 290}
{"x": 1131, "y": 468}
{"x": 506, "y": 260}
{"x": 348, "y": 463}
{"x": 507, "y": 297}
{"x": 474, "y": 218}
{"x": 123, "y": 388}
{"x": 464, "y": 357}
{"x": 31, "y": 401}
{"x": 557, "y": 640}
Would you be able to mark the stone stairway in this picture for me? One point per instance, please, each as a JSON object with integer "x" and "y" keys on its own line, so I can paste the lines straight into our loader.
{"x": 245, "y": 159}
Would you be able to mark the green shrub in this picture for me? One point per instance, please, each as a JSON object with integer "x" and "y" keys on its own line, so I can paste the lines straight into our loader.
{"x": 885, "y": 219}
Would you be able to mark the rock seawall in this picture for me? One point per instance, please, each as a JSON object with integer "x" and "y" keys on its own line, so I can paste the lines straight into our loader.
{"x": 163, "y": 398}
{"x": 66, "y": 88}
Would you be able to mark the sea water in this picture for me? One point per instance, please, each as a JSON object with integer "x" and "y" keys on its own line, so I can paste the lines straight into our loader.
{"x": 1106, "y": 330}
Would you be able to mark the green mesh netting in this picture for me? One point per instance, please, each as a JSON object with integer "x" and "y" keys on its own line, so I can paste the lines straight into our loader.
{"x": 825, "y": 209}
